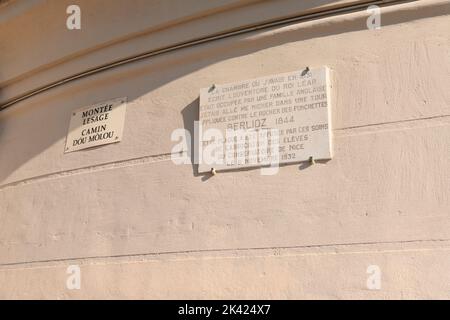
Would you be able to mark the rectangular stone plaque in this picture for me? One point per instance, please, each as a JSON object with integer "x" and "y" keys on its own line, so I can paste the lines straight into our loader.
{"x": 291, "y": 109}
{"x": 95, "y": 125}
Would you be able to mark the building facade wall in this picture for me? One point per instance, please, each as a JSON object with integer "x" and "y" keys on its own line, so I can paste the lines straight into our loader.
{"x": 140, "y": 226}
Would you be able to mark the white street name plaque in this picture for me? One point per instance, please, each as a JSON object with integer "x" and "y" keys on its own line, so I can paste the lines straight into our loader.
{"x": 280, "y": 119}
{"x": 95, "y": 125}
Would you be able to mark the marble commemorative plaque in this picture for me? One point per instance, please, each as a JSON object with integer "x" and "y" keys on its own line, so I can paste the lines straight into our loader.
{"x": 283, "y": 118}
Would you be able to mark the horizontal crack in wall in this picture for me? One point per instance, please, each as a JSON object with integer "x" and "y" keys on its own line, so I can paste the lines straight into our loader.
{"x": 281, "y": 251}
{"x": 339, "y": 132}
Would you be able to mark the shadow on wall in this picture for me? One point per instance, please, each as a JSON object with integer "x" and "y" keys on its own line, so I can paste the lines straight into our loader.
{"x": 44, "y": 119}
{"x": 191, "y": 114}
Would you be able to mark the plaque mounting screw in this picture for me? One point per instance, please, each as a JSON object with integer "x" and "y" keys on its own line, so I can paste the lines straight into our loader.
{"x": 305, "y": 72}
{"x": 311, "y": 160}
{"x": 212, "y": 88}
{"x": 213, "y": 171}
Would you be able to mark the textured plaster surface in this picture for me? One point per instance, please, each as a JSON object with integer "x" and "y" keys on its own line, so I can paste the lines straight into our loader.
{"x": 140, "y": 226}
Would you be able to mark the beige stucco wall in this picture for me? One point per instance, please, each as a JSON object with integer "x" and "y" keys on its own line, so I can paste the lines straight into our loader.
{"x": 140, "y": 226}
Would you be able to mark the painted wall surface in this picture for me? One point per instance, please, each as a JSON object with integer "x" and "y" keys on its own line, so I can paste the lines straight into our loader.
{"x": 140, "y": 226}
